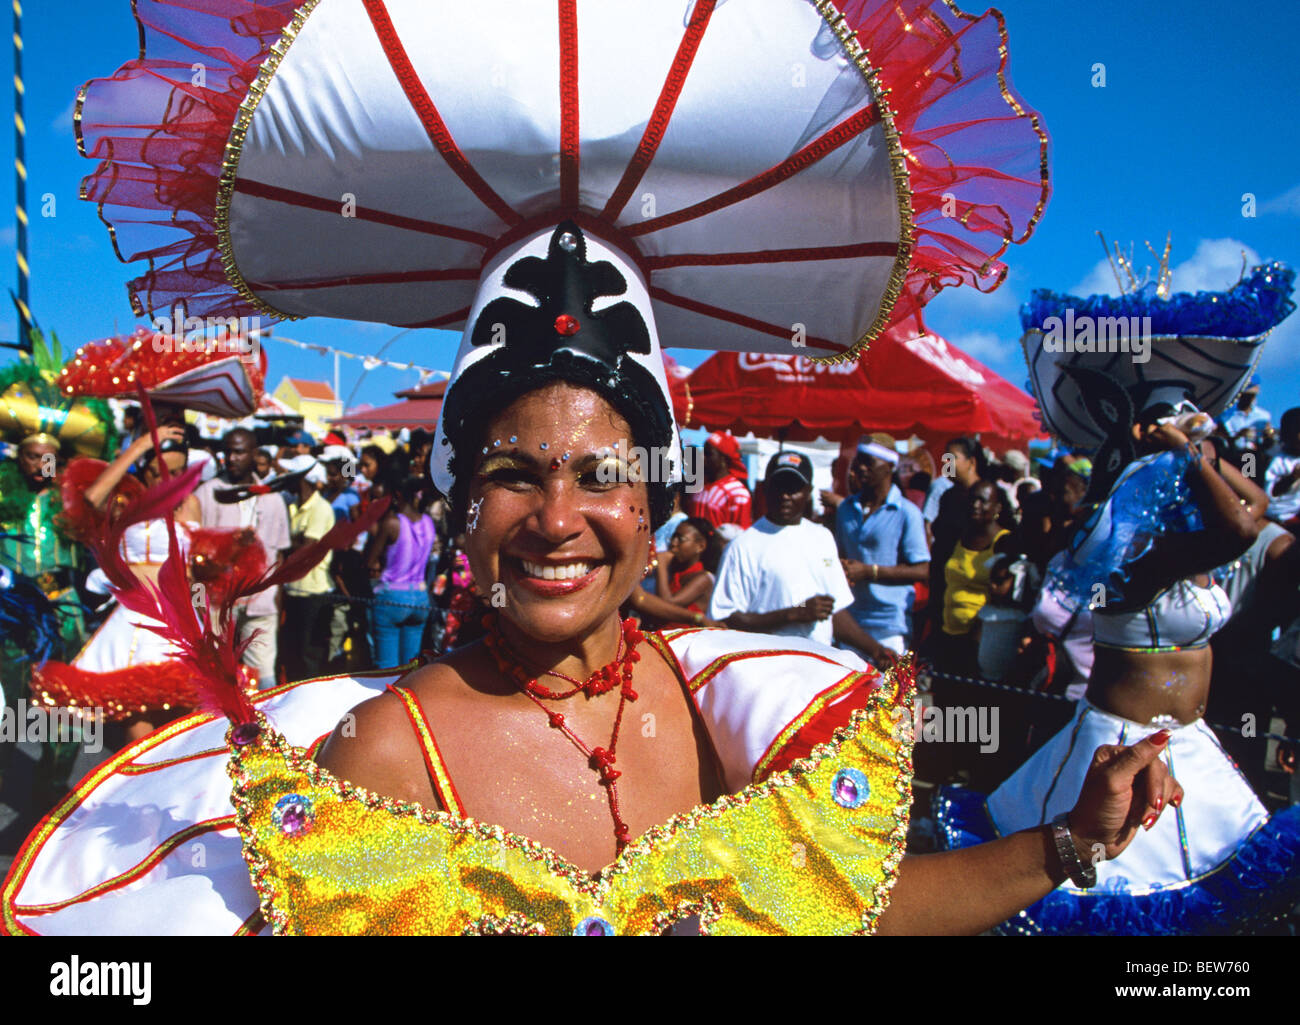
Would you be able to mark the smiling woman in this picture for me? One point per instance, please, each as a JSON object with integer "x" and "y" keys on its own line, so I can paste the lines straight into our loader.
{"x": 562, "y": 545}
{"x": 570, "y": 774}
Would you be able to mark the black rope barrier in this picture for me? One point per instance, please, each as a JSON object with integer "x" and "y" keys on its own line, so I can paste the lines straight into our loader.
{"x": 975, "y": 681}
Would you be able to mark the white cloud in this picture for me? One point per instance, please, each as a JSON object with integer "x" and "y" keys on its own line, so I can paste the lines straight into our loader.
{"x": 62, "y": 125}
{"x": 986, "y": 346}
{"x": 1287, "y": 203}
{"x": 1281, "y": 347}
{"x": 1099, "y": 281}
{"x": 1214, "y": 266}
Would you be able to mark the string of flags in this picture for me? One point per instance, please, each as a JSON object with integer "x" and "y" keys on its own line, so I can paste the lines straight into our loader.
{"x": 369, "y": 362}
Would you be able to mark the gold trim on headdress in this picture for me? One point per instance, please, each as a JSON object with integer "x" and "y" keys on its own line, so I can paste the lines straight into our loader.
{"x": 235, "y": 150}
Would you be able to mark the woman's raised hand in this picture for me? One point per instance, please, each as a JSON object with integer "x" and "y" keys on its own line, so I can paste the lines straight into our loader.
{"x": 1126, "y": 787}
{"x": 144, "y": 443}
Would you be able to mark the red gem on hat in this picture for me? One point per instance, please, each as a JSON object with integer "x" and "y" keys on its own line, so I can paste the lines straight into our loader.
{"x": 566, "y": 325}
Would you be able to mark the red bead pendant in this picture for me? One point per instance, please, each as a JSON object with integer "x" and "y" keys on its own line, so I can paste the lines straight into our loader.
{"x": 566, "y": 325}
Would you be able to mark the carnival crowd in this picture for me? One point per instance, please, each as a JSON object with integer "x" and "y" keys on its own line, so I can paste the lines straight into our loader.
{"x": 901, "y": 554}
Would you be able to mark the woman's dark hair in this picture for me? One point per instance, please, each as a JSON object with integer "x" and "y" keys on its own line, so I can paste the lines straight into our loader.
{"x": 971, "y": 449}
{"x": 1289, "y": 425}
{"x": 632, "y": 394}
{"x": 399, "y": 462}
{"x": 409, "y": 489}
{"x": 167, "y": 446}
{"x": 713, "y": 543}
{"x": 1155, "y": 411}
{"x": 920, "y": 481}
{"x": 378, "y": 455}
{"x": 1006, "y": 518}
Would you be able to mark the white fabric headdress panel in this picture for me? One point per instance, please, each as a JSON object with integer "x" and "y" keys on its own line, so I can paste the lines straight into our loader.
{"x": 395, "y": 143}
{"x": 1207, "y": 371}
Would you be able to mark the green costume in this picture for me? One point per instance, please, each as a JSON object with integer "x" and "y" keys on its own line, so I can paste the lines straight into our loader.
{"x": 33, "y": 410}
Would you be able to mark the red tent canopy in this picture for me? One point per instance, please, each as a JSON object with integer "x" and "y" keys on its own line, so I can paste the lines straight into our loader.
{"x": 907, "y": 384}
{"x": 421, "y": 408}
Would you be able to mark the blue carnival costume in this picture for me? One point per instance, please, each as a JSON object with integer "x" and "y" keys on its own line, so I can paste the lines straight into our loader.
{"x": 1219, "y": 864}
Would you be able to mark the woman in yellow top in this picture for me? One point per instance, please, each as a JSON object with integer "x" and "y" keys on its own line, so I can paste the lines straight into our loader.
{"x": 966, "y": 575}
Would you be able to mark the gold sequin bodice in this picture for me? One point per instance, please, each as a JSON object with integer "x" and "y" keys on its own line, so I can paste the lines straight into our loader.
{"x": 811, "y": 849}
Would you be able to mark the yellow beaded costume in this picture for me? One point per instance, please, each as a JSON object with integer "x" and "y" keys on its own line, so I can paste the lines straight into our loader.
{"x": 809, "y": 840}
{"x": 366, "y": 864}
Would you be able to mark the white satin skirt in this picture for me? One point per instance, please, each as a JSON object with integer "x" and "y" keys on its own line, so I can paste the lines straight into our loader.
{"x": 1219, "y": 809}
{"x": 122, "y": 640}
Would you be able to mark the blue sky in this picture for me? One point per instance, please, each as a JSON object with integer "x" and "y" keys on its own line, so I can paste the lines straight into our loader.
{"x": 1197, "y": 110}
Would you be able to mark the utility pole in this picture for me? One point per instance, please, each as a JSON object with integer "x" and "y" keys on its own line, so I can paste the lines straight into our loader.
{"x": 20, "y": 189}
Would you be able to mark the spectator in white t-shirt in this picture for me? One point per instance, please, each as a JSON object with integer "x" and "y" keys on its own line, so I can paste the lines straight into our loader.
{"x": 1282, "y": 478}
{"x": 783, "y": 574}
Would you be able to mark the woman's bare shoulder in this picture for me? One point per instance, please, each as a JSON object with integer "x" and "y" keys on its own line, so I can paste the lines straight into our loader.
{"x": 375, "y": 745}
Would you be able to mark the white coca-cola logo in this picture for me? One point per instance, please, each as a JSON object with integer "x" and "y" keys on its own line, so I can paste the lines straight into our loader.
{"x": 935, "y": 350}
{"x": 789, "y": 365}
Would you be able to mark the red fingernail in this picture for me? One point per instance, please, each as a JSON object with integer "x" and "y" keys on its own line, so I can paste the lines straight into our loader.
{"x": 1160, "y": 803}
{"x": 1149, "y": 821}
{"x": 1176, "y": 800}
{"x": 1160, "y": 739}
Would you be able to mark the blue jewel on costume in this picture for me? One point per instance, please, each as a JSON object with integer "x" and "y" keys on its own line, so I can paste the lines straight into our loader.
{"x": 850, "y": 789}
{"x": 293, "y": 814}
{"x": 593, "y": 926}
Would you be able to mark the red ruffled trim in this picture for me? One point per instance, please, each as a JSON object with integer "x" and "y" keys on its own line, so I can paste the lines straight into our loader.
{"x": 976, "y": 153}
{"x": 80, "y": 520}
{"x": 124, "y": 693}
{"x": 119, "y": 367}
{"x": 160, "y": 129}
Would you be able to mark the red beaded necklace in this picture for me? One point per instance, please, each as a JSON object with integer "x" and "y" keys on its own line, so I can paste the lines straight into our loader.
{"x": 616, "y": 674}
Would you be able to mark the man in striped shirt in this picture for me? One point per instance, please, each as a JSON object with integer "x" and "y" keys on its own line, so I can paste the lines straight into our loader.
{"x": 725, "y": 498}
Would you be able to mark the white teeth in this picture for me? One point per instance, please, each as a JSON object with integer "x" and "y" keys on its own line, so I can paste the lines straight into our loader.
{"x": 569, "y": 571}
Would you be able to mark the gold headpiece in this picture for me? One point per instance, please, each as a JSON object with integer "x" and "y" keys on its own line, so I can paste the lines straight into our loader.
{"x": 1118, "y": 262}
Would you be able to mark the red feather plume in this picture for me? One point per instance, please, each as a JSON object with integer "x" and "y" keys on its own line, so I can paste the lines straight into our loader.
{"x": 194, "y": 601}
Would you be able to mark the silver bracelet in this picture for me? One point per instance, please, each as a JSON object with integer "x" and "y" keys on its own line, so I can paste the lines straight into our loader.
{"x": 1083, "y": 876}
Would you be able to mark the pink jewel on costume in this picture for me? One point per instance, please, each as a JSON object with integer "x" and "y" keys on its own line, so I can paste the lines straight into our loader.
{"x": 566, "y": 325}
{"x": 850, "y": 788}
{"x": 293, "y": 814}
{"x": 244, "y": 734}
{"x": 594, "y": 926}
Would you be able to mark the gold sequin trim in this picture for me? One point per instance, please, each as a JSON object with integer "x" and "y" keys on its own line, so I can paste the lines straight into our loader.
{"x": 897, "y": 689}
{"x": 902, "y": 184}
{"x": 514, "y": 924}
{"x": 709, "y": 908}
{"x": 235, "y": 149}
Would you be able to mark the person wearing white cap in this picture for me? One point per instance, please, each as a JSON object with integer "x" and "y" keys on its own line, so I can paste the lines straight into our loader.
{"x": 881, "y": 536}
{"x": 783, "y": 575}
{"x": 1247, "y": 422}
{"x": 308, "y": 608}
